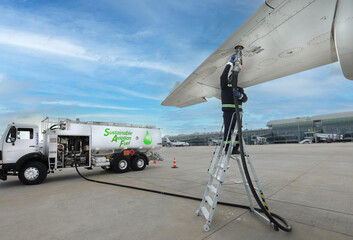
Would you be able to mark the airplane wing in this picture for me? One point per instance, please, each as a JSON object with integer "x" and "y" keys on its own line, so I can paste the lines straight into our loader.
{"x": 281, "y": 38}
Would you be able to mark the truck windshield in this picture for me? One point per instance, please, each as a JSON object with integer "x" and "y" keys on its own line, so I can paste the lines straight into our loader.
{"x": 25, "y": 133}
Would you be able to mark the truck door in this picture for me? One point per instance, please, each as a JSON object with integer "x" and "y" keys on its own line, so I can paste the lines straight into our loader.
{"x": 19, "y": 144}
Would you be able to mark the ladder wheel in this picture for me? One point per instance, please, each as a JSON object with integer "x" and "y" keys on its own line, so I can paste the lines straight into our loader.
{"x": 198, "y": 212}
{"x": 206, "y": 228}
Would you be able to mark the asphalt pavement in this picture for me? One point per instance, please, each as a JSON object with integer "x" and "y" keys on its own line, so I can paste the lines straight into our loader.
{"x": 309, "y": 185}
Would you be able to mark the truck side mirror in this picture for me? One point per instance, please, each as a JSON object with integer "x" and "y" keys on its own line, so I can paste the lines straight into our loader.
{"x": 13, "y": 133}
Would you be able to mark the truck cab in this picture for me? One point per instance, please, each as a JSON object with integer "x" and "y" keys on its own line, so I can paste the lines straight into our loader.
{"x": 19, "y": 154}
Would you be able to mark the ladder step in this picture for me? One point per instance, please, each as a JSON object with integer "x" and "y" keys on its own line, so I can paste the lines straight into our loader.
{"x": 212, "y": 188}
{"x": 205, "y": 212}
{"x": 218, "y": 178}
{"x": 222, "y": 166}
{"x": 209, "y": 200}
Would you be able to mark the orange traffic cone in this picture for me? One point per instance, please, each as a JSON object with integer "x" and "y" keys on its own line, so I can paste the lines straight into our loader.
{"x": 174, "y": 164}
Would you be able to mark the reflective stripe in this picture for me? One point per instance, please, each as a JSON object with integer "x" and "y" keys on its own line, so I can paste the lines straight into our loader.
{"x": 231, "y": 85}
{"x": 228, "y": 105}
{"x": 237, "y": 142}
{"x": 231, "y": 105}
{"x": 226, "y": 142}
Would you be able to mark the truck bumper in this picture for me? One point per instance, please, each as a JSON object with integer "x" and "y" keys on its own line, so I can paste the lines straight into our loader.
{"x": 3, "y": 175}
{"x": 4, "y": 168}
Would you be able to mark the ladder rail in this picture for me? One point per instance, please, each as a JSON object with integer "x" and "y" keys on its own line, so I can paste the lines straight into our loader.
{"x": 246, "y": 186}
{"x": 215, "y": 150}
{"x": 252, "y": 168}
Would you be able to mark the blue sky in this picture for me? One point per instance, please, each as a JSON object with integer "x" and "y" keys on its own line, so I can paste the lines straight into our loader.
{"x": 116, "y": 61}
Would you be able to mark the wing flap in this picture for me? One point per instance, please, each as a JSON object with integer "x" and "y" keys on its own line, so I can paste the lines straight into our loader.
{"x": 192, "y": 102}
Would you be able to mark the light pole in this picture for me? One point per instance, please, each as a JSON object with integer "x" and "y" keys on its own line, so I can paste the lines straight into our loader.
{"x": 246, "y": 126}
{"x": 298, "y": 129}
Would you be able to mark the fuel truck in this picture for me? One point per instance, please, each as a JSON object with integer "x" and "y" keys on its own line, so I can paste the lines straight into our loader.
{"x": 68, "y": 143}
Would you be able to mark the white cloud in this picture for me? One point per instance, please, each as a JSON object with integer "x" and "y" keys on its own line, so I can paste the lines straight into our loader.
{"x": 133, "y": 62}
{"x": 137, "y": 94}
{"x": 9, "y": 86}
{"x": 136, "y": 36}
{"x": 4, "y": 110}
{"x": 6, "y": 86}
{"x": 80, "y": 104}
{"x": 63, "y": 47}
{"x": 42, "y": 43}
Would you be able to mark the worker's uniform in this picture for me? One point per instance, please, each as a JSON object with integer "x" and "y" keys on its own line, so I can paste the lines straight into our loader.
{"x": 228, "y": 106}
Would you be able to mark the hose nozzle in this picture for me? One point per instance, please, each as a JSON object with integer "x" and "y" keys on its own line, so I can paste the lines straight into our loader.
{"x": 238, "y": 62}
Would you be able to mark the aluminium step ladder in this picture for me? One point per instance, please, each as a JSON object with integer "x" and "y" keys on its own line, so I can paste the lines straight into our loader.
{"x": 217, "y": 176}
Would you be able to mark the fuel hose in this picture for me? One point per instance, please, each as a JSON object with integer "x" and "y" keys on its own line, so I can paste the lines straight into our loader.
{"x": 264, "y": 209}
{"x": 174, "y": 195}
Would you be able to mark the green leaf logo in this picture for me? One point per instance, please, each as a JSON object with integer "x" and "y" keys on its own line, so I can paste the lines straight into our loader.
{"x": 148, "y": 139}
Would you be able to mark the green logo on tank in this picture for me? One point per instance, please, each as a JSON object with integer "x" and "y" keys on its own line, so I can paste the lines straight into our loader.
{"x": 148, "y": 139}
{"x": 123, "y": 136}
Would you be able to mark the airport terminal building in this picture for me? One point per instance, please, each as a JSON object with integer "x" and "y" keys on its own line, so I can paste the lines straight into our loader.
{"x": 292, "y": 130}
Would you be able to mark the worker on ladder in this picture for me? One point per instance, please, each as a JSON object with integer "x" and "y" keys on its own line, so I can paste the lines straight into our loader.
{"x": 228, "y": 106}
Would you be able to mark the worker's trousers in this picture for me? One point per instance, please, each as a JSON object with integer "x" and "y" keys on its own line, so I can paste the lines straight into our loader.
{"x": 229, "y": 123}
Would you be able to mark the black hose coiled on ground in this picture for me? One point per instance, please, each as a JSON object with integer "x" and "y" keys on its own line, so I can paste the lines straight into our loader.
{"x": 173, "y": 194}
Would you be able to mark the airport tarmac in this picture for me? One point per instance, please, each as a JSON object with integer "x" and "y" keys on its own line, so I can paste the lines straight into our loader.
{"x": 309, "y": 185}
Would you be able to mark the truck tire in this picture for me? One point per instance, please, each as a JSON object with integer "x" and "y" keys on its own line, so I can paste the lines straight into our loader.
{"x": 121, "y": 164}
{"x": 138, "y": 163}
{"x": 32, "y": 173}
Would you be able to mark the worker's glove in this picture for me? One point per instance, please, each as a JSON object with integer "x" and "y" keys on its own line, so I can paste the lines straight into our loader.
{"x": 232, "y": 59}
{"x": 244, "y": 99}
{"x": 237, "y": 94}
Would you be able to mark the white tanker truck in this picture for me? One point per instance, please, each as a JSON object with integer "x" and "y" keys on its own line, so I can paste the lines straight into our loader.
{"x": 66, "y": 142}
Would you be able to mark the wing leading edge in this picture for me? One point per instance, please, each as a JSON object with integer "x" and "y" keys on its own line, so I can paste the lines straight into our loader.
{"x": 281, "y": 38}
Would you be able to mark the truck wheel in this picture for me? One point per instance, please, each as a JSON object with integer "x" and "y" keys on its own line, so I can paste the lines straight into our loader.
{"x": 32, "y": 173}
{"x": 138, "y": 163}
{"x": 121, "y": 164}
